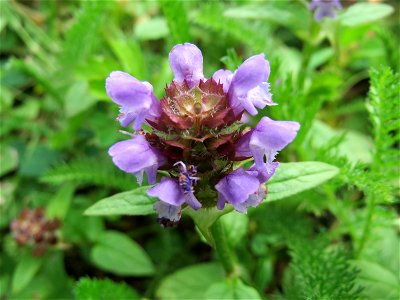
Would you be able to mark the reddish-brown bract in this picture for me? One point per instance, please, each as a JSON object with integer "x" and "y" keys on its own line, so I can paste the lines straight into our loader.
{"x": 196, "y": 124}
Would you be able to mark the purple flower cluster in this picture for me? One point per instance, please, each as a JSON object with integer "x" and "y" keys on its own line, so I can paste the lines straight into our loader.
{"x": 324, "y": 8}
{"x": 196, "y": 134}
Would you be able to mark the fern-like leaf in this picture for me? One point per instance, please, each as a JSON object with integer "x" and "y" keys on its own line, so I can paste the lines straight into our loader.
{"x": 90, "y": 172}
{"x": 98, "y": 289}
{"x": 319, "y": 273}
{"x": 210, "y": 17}
{"x": 384, "y": 109}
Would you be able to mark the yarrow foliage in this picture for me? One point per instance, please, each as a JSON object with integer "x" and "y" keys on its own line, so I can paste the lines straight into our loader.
{"x": 324, "y": 8}
{"x": 197, "y": 135}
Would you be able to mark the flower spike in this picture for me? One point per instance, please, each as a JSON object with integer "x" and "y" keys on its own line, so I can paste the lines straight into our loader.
{"x": 196, "y": 133}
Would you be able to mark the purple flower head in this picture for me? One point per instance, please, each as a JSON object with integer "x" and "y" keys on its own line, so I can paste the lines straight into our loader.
{"x": 265, "y": 140}
{"x": 324, "y": 8}
{"x": 243, "y": 188}
{"x": 136, "y": 156}
{"x": 135, "y": 98}
{"x": 196, "y": 134}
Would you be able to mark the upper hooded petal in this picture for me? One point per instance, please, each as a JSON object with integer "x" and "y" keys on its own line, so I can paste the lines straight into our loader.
{"x": 252, "y": 72}
{"x": 269, "y": 137}
{"x": 324, "y": 8}
{"x": 271, "y": 134}
{"x": 127, "y": 91}
{"x": 136, "y": 98}
{"x": 168, "y": 191}
{"x": 248, "y": 88}
{"x": 136, "y": 155}
{"x": 186, "y": 62}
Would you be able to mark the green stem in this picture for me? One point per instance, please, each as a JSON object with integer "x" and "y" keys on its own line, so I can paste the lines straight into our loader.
{"x": 225, "y": 252}
{"x": 367, "y": 225}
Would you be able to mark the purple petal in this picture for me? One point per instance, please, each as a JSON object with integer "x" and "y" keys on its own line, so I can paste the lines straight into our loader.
{"x": 186, "y": 62}
{"x": 135, "y": 156}
{"x": 337, "y": 3}
{"x": 221, "y": 201}
{"x": 155, "y": 110}
{"x": 260, "y": 96}
{"x": 242, "y": 189}
{"x": 136, "y": 98}
{"x": 242, "y": 147}
{"x": 152, "y": 174}
{"x": 168, "y": 191}
{"x": 269, "y": 137}
{"x": 326, "y": 11}
{"x": 224, "y": 77}
{"x": 265, "y": 174}
{"x": 167, "y": 211}
{"x": 125, "y": 118}
{"x": 254, "y": 199}
{"x": 126, "y": 90}
{"x": 139, "y": 176}
{"x": 246, "y": 118}
{"x": 236, "y": 187}
{"x": 324, "y": 8}
{"x": 137, "y": 124}
{"x": 192, "y": 201}
{"x": 251, "y": 74}
{"x": 313, "y": 4}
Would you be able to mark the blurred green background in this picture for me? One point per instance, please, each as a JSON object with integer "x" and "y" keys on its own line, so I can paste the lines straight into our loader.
{"x": 57, "y": 124}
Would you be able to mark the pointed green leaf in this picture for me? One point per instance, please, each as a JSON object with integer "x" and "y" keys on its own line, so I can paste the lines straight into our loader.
{"x": 117, "y": 253}
{"x": 25, "y": 271}
{"x": 361, "y": 13}
{"x": 134, "y": 203}
{"x": 294, "y": 178}
{"x": 191, "y": 282}
{"x": 232, "y": 289}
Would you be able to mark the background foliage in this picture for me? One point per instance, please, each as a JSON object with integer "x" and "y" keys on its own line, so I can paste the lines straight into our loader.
{"x": 338, "y": 78}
